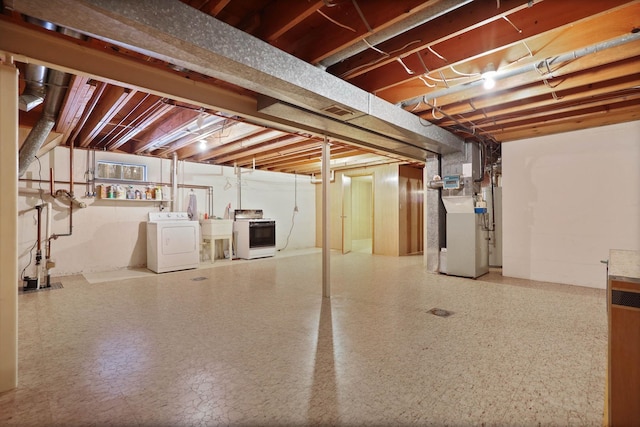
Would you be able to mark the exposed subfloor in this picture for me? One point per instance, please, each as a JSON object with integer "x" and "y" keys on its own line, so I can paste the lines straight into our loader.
{"x": 254, "y": 343}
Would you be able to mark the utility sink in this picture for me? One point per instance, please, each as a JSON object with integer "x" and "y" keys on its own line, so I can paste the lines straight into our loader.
{"x": 212, "y": 228}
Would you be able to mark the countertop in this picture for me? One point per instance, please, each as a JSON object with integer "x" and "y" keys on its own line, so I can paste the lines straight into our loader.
{"x": 624, "y": 264}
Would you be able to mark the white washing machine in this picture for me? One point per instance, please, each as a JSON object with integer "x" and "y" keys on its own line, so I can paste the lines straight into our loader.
{"x": 173, "y": 242}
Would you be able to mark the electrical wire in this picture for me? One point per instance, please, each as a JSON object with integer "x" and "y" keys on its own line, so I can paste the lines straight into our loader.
{"x": 335, "y": 22}
{"x": 463, "y": 74}
{"x": 295, "y": 211}
{"x": 293, "y": 217}
{"x": 372, "y": 63}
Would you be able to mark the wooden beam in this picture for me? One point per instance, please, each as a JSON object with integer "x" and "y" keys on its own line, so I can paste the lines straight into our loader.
{"x": 113, "y": 99}
{"x": 244, "y": 136}
{"x": 569, "y": 124}
{"x": 178, "y": 118}
{"x": 188, "y": 142}
{"x": 281, "y": 16}
{"x": 142, "y": 122}
{"x": 328, "y": 38}
{"x": 564, "y": 26}
{"x": 450, "y": 25}
{"x": 80, "y": 91}
{"x": 258, "y": 151}
{"x": 552, "y": 117}
{"x": 548, "y": 45}
{"x": 77, "y": 57}
{"x": 215, "y": 6}
{"x": 580, "y": 86}
{"x": 504, "y": 117}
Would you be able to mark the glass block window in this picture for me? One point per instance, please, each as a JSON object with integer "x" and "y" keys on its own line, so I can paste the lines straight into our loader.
{"x": 121, "y": 171}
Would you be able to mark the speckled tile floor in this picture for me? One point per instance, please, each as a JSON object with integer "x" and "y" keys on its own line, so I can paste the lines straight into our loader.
{"x": 256, "y": 344}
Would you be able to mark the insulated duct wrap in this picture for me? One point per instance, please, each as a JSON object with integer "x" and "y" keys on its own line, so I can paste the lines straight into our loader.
{"x": 57, "y": 84}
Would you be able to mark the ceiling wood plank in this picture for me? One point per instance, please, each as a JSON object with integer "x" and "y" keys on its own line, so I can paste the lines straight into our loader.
{"x": 379, "y": 14}
{"x": 281, "y": 16}
{"x": 569, "y": 124}
{"x": 555, "y": 116}
{"x": 189, "y": 144}
{"x": 570, "y": 87}
{"x": 449, "y": 26}
{"x": 113, "y": 99}
{"x": 239, "y": 137}
{"x": 499, "y": 34}
{"x": 214, "y": 7}
{"x": 81, "y": 89}
{"x": 259, "y": 151}
{"x": 556, "y": 42}
{"x": 142, "y": 122}
{"x": 178, "y": 118}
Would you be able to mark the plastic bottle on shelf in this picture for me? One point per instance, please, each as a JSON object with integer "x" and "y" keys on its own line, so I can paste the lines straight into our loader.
{"x": 158, "y": 193}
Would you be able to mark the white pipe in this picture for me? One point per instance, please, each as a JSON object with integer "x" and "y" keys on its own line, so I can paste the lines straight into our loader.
{"x": 238, "y": 171}
{"x": 174, "y": 181}
{"x": 538, "y": 66}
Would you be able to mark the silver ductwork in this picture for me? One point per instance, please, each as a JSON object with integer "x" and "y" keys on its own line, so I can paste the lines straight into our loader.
{"x": 35, "y": 77}
{"x": 429, "y": 14}
{"x": 56, "y": 86}
{"x": 174, "y": 32}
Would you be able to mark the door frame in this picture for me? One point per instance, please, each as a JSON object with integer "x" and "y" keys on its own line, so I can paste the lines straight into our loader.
{"x": 373, "y": 193}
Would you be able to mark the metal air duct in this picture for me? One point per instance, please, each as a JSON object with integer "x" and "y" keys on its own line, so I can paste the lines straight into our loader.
{"x": 174, "y": 32}
{"x": 35, "y": 77}
{"x": 57, "y": 83}
{"x": 538, "y": 66}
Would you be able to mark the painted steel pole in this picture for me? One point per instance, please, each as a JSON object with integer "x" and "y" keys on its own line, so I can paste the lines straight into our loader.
{"x": 326, "y": 237}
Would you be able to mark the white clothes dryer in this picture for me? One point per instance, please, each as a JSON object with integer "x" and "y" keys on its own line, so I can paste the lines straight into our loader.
{"x": 173, "y": 242}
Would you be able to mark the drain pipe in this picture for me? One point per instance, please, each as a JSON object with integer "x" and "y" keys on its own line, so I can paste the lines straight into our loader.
{"x": 174, "y": 181}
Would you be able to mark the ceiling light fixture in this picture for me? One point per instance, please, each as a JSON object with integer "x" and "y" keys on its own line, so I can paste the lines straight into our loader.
{"x": 203, "y": 144}
{"x": 489, "y": 76}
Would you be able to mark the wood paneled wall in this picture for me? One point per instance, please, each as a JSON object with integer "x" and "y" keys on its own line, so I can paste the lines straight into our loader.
{"x": 386, "y": 212}
{"x": 411, "y": 210}
{"x": 362, "y": 207}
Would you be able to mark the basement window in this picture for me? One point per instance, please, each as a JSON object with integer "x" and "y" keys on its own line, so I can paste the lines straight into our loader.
{"x": 121, "y": 171}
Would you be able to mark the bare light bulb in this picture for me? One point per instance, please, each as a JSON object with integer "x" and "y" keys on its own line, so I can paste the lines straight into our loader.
{"x": 489, "y": 82}
{"x": 489, "y": 76}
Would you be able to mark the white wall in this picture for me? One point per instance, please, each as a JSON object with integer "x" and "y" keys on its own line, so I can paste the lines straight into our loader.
{"x": 109, "y": 235}
{"x": 567, "y": 200}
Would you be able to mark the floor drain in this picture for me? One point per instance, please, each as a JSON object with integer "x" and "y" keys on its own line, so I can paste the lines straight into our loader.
{"x": 198, "y": 279}
{"x": 56, "y": 285}
{"x": 440, "y": 312}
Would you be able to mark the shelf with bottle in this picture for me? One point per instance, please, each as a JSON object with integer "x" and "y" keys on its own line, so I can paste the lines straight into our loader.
{"x": 117, "y": 192}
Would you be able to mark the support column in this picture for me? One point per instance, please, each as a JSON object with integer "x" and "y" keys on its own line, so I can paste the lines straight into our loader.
{"x": 326, "y": 219}
{"x": 432, "y": 215}
{"x": 8, "y": 225}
